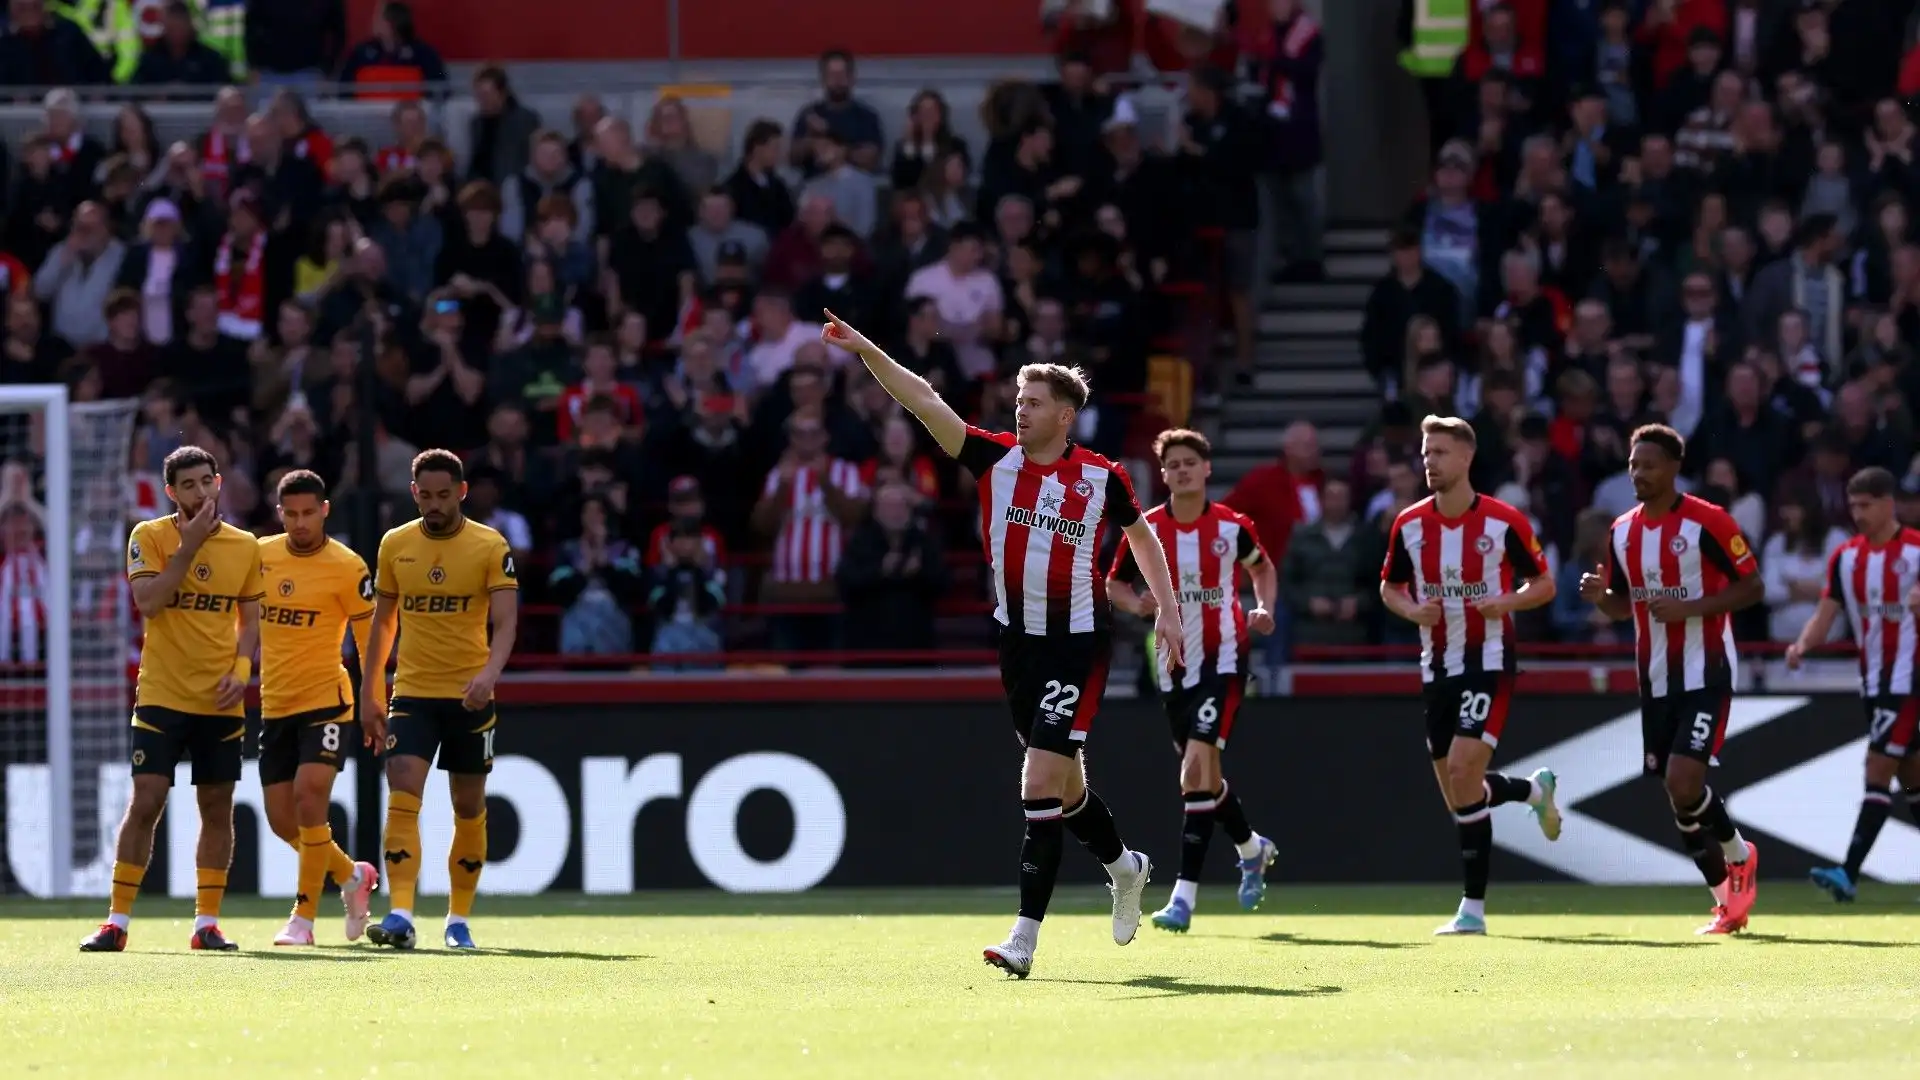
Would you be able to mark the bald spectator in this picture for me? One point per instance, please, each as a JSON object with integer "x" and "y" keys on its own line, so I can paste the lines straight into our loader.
{"x": 78, "y": 275}
{"x": 1283, "y": 494}
{"x": 795, "y": 255}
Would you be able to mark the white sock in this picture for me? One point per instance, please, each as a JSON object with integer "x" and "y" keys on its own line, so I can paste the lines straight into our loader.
{"x": 456, "y": 920}
{"x": 118, "y": 919}
{"x": 353, "y": 879}
{"x": 1719, "y": 893}
{"x": 201, "y": 922}
{"x": 1736, "y": 849}
{"x": 1475, "y": 908}
{"x": 1187, "y": 892}
{"x": 1026, "y": 929}
{"x": 1127, "y": 865}
{"x": 1534, "y": 793}
{"x": 403, "y": 913}
{"x": 301, "y": 921}
{"x": 1251, "y": 848}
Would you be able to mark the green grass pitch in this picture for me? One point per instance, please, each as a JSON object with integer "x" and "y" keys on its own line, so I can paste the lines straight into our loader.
{"x": 1322, "y": 982}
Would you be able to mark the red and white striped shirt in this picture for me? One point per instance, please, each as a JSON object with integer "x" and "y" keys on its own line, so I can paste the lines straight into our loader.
{"x": 1458, "y": 562}
{"x": 1203, "y": 558}
{"x": 1694, "y": 550}
{"x": 1872, "y": 580}
{"x": 23, "y": 611}
{"x": 807, "y": 548}
{"x": 1042, "y": 526}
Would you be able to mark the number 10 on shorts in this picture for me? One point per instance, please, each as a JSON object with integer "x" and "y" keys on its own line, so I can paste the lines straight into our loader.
{"x": 486, "y": 743}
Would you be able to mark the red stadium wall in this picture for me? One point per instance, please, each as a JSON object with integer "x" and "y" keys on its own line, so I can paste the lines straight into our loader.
{"x": 716, "y": 29}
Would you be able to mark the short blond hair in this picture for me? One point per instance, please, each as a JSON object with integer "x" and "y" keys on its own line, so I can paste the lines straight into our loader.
{"x": 1450, "y": 425}
{"x": 1069, "y": 384}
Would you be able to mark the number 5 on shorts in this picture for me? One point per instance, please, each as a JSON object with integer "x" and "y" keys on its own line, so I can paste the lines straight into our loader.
{"x": 1702, "y": 730}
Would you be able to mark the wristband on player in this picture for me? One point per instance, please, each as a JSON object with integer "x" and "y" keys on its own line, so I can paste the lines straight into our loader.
{"x": 243, "y": 668}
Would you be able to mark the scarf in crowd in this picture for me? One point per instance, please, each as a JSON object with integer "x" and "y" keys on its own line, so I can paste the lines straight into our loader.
{"x": 62, "y": 153}
{"x": 1300, "y": 34}
{"x": 243, "y": 299}
{"x": 218, "y": 158}
{"x": 23, "y": 613}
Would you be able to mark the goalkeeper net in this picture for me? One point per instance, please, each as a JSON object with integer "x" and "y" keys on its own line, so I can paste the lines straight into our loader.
{"x": 67, "y": 499}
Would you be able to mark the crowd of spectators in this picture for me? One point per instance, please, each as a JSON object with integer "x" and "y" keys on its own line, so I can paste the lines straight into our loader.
{"x": 619, "y": 329}
{"x": 1696, "y": 212}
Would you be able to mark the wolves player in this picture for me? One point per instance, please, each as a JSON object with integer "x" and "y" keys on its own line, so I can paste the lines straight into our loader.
{"x": 1680, "y": 570}
{"x": 444, "y": 582}
{"x": 1459, "y": 565}
{"x": 316, "y": 589}
{"x": 197, "y": 583}
{"x": 1204, "y": 544}
{"x": 1874, "y": 576}
{"x": 1045, "y": 504}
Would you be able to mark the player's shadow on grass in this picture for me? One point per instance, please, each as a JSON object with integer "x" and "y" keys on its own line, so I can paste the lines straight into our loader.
{"x": 1784, "y": 939}
{"x": 372, "y": 956}
{"x": 1608, "y": 940}
{"x": 1174, "y": 986}
{"x": 1339, "y": 943}
{"x": 560, "y": 954}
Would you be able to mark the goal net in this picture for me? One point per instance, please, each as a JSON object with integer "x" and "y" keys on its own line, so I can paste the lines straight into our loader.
{"x": 66, "y": 637}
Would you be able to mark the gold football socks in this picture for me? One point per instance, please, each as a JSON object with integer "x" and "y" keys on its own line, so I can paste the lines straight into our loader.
{"x": 465, "y": 858}
{"x": 402, "y": 848}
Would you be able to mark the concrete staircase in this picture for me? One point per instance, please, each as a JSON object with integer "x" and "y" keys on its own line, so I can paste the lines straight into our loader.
{"x": 1307, "y": 364}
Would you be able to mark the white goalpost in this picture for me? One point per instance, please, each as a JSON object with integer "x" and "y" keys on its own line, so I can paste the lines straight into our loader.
{"x": 66, "y": 636}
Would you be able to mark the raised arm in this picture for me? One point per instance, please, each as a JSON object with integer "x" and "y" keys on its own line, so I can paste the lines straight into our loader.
{"x": 914, "y": 393}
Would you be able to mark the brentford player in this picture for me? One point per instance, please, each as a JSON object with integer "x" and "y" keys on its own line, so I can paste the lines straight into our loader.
{"x": 1874, "y": 576}
{"x": 1680, "y": 570}
{"x": 1459, "y": 565}
{"x": 1205, "y": 545}
{"x": 1045, "y": 504}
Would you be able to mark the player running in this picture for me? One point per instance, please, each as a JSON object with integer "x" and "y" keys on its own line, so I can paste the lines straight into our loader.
{"x": 444, "y": 581}
{"x": 1459, "y": 564}
{"x": 1204, "y": 544}
{"x": 1045, "y": 503}
{"x": 1874, "y": 575}
{"x": 316, "y": 589}
{"x": 1680, "y": 570}
{"x": 196, "y": 582}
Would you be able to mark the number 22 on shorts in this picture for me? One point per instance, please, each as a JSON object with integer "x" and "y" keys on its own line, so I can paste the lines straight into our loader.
{"x": 1060, "y": 700}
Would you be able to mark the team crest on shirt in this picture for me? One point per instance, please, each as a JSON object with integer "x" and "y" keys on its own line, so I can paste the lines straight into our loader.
{"x": 1678, "y": 545}
{"x": 1902, "y": 567}
{"x": 1221, "y": 547}
{"x": 437, "y": 575}
{"x": 286, "y": 587}
{"x": 1083, "y": 488}
{"x": 203, "y": 571}
{"x": 1485, "y": 545}
{"x": 139, "y": 757}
